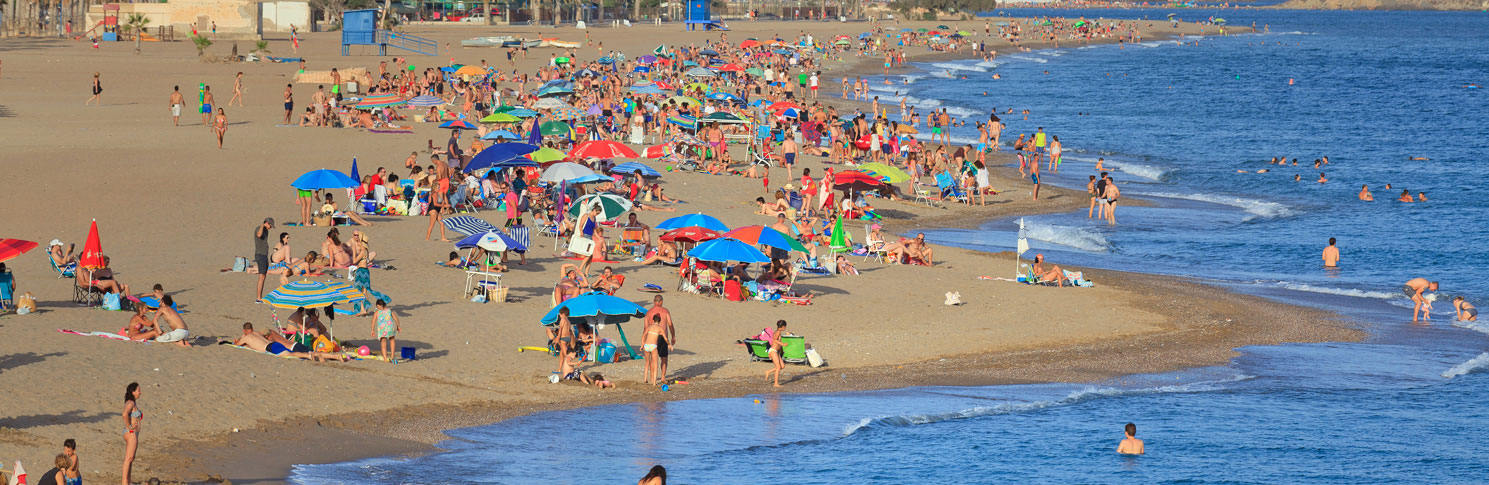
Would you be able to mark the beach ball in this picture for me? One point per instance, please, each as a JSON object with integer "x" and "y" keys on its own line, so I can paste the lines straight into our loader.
{"x": 364, "y": 351}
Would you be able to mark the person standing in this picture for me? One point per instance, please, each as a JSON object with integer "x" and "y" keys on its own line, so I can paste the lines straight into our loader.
{"x": 261, "y": 255}
{"x": 668, "y": 335}
{"x": 237, "y": 90}
{"x": 206, "y": 105}
{"x": 176, "y": 102}
{"x": 219, "y": 126}
{"x": 289, "y": 102}
{"x": 1111, "y": 195}
{"x": 97, "y": 92}
{"x": 1415, "y": 288}
{"x": 776, "y": 349}
{"x": 132, "y": 418}
{"x": 1034, "y": 177}
{"x": 1331, "y": 255}
{"x": 319, "y": 101}
{"x": 788, "y": 153}
{"x": 1040, "y": 142}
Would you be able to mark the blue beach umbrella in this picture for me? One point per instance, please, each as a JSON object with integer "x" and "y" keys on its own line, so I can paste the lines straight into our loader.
{"x": 728, "y": 249}
{"x": 492, "y": 163}
{"x": 722, "y": 96}
{"x": 323, "y": 179}
{"x": 468, "y": 225}
{"x": 355, "y": 175}
{"x": 501, "y": 135}
{"x": 700, "y": 220}
{"x": 629, "y": 168}
{"x": 596, "y": 307}
{"x": 523, "y": 113}
{"x": 646, "y": 89}
{"x": 499, "y": 152}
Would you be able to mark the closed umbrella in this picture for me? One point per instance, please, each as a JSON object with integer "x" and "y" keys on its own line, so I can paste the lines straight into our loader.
{"x": 323, "y": 179}
{"x": 92, "y": 257}
{"x": 728, "y": 249}
{"x": 699, "y": 220}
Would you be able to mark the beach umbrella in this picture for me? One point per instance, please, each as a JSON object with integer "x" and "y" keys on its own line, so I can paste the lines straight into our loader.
{"x": 700, "y": 87}
{"x": 922, "y": 30}
{"x": 780, "y": 105}
{"x": 647, "y": 89}
{"x": 723, "y": 96}
{"x": 548, "y": 103}
{"x": 700, "y": 72}
{"x": 842, "y": 42}
{"x": 586, "y": 72}
{"x": 470, "y": 71}
{"x": 788, "y": 113}
{"x": 685, "y": 121}
{"x": 501, "y": 135}
{"x": 379, "y": 101}
{"x": 727, "y": 249}
{"x": 10, "y": 248}
{"x": 687, "y": 100}
{"x": 496, "y": 241}
{"x": 425, "y": 101}
{"x": 522, "y": 113}
{"x": 646, "y": 60}
{"x": 708, "y": 52}
{"x": 725, "y": 118}
{"x": 323, "y": 179}
{"x": 556, "y": 128}
{"x": 567, "y": 113}
{"x": 603, "y": 149}
{"x": 355, "y": 175}
{"x": 658, "y": 151}
{"x": 749, "y": 43}
{"x": 755, "y": 71}
{"x": 499, "y": 152}
{"x": 885, "y": 173}
{"x": 731, "y": 67}
{"x": 690, "y": 234}
{"x": 942, "y": 27}
{"x": 565, "y": 171}
{"x": 630, "y": 168}
{"x": 596, "y": 308}
{"x": 554, "y": 91}
{"x": 501, "y": 118}
{"x": 593, "y": 110}
{"x": 611, "y": 205}
{"x": 304, "y": 294}
{"x": 493, "y": 163}
{"x": 589, "y": 179}
{"x": 694, "y": 220}
{"x": 458, "y": 125}
{"x": 503, "y": 108}
{"x": 766, "y": 236}
{"x": 92, "y": 257}
{"x": 534, "y": 136}
{"x": 856, "y": 180}
{"x": 546, "y": 155}
{"x": 467, "y": 225}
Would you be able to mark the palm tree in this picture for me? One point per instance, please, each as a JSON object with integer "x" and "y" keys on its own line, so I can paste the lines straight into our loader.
{"x": 202, "y": 43}
{"x": 136, "y": 24}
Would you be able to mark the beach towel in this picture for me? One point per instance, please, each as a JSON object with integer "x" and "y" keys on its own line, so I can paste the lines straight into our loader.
{"x": 107, "y": 335}
{"x": 394, "y": 130}
{"x": 283, "y": 59}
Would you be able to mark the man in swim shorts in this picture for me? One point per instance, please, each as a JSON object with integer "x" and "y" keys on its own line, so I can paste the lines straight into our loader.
{"x": 176, "y": 102}
{"x": 179, "y": 332}
{"x": 1130, "y": 444}
{"x": 206, "y": 104}
{"x": 668, "y": 338}
{"x": 1415, "y": 288}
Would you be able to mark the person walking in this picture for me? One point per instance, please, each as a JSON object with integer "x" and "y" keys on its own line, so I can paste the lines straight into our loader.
{"x": 132, "y": 418}
{"x": 97, "y": 92}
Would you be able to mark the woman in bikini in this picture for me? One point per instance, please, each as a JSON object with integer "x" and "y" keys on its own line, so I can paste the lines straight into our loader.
{"x": 336, "y": 253}
{"x": 775, "y": 353}
{"x": 330, "y": 207}
{"x": 219, "y": 126}
{"x": 137, "y": 325}
{"x": 361, "y": 254}
{"x": 437, "y": 205}
{"x": 649, "y": 342}
{"x": 132, "y": 418}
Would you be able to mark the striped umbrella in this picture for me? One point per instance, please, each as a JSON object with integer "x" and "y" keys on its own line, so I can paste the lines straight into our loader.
{"x": 458, "y": 125}
{"x": 10, "y": 248}
{"x": 685, "y": 121}
{"x": 467, "y": 225}
{"x": 567, "y": 112}
{"x": 349, "y": 293}
{"x": 380, "y": 101}
{"x": 304, "y": 294}
{"x": 602, "y": 149}
{"x": 611, "y": 205}
{"x": 425, "y": 101}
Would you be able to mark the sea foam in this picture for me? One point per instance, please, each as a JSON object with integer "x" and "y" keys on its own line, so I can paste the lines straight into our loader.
{"x": 1257, "y": 208}
{"x": 1473, "y": 364}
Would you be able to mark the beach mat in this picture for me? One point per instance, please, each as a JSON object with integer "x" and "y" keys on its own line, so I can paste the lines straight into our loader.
{"x": 384, "y": 130}
{"x": 577, "y": 258}
{"x": 107, "y": 335}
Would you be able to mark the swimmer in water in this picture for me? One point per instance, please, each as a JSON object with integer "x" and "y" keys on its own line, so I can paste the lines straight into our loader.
{"x": 1322, "y": 178}
{"x": 1331, "y": 254}
{"x": 1365, "y": 194}
{"x": 1405, "y": 196}
{"x": 1421, "y": 196}
{"x": 1466, "y": 311}
{"x": 1419, "y": 159}
{"x": 1099, "y": 162}
{"x": 997, "y": 76}
{"x": 1297, "y": 178}
{"x": 1130, "y": 444}
{"x": 1415, "y": 288}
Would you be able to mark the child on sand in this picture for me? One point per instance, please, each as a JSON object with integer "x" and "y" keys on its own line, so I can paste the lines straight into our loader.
{"x": 776, "y": 348}
{"x": 385, "y": 328}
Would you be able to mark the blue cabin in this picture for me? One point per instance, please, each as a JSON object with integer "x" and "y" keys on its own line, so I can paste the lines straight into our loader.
{"x": 359, "y": 27}
{"x": 699, "y": 16}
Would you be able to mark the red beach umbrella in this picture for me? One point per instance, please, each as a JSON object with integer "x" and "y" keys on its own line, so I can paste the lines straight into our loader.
{"x": 658, "y": 151}
{"x": 92, "y": 257}
{"x": 690, "y": 234}
{"x": 749, "y": 43}
{"x": 731, "y": 67}
{"x": 603, "y": 149}
{"x": 855, "y": 180}
{"x": 10, "y": 248}
{"x": 780, "y": 105}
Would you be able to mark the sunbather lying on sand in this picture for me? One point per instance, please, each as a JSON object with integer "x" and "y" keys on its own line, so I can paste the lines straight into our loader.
{"x": 273, "y": 343}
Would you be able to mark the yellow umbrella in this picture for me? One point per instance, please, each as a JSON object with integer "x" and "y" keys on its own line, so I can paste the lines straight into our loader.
{"x": 885, "y": 172}
{"x": 470, "y": 71}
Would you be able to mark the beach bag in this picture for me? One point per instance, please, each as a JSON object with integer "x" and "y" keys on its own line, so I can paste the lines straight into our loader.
{"x": 25, "y": 304}
{"x": 240, "y": 264}
{"x": 583, "y": 246}
{"x": 322, "y": 219}
{"x": 813, "y": 358}
{"x": 111, "y": 302}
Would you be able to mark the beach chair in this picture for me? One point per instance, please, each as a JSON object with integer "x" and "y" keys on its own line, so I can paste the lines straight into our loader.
{"x": 83, "y": 292}
{"x": 948, "y": 188}
{"x": 868, "y": 246}
{"x": 1033, "y": 279}
{"x": 632, "y": 242}
{"x": 793, "y": 351}
{"x": 62, "y": 272}
{"x": 7, "y": 289}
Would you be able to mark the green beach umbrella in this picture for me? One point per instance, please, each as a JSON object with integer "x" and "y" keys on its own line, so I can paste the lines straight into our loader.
{"x": 554, "y": 128}
{"x": 611, "y": 205}
{"x": 942, "y": 27}
{"x": 503, "y": 108}
{"x": 839, "y": 243}
{"x": 545, "y": 155}
{"x": 500, "y": 118}
{"x": 689, "y": 100}
{"x": 885, "y": 172}
{"x": 922, "y": 30}
{"x": 755, "y": 71}
{"x": 561, "y": 60}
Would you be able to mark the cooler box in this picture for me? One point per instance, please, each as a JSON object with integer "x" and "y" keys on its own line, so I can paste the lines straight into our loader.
{"x": 369, "y": 206}
{"x": 606, "y": 353}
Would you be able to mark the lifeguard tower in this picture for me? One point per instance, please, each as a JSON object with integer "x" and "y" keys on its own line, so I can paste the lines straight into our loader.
{"x": 700, "y": 17}
{"x": 359, "y": 27}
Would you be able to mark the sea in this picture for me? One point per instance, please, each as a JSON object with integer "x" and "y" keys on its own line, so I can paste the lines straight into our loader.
{"x": 1174, "y": 125}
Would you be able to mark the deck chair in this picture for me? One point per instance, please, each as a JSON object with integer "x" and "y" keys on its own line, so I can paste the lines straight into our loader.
{"x": 948, "y": 188}
{"x": 83, "y": 291}
{"x": 868, "y": 246}
{"x": 62, "y": 272}
{"x": 7, "y": 289}
{"x": 632, "y": 242}
{"x": 1033, "y": 279}
{"x": 924, "y": 195}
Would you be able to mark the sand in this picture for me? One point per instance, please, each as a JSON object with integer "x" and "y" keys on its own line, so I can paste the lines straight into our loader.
{"x": 173, "y": 209}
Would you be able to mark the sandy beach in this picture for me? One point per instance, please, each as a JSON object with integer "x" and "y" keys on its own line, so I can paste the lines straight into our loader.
{"x": 173, "y": 209}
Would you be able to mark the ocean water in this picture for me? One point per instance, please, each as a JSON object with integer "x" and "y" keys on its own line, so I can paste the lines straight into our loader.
{"x": 1370, "y": 89}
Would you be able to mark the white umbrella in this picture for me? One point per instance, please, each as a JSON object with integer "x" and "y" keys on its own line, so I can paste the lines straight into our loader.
{"x": 563, "y": 171}
{"x": 549, "y": 103}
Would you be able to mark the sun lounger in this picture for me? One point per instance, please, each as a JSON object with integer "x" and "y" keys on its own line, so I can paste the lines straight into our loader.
{"x": 793, "y": 352}
{"x": 62, "y": 272}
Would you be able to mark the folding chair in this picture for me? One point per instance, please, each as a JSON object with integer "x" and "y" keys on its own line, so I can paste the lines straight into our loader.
{"x": 62, "y": 272}
{"x": 948, "y": 187}
{"x": 868, "y": 246}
